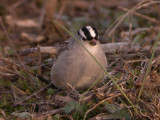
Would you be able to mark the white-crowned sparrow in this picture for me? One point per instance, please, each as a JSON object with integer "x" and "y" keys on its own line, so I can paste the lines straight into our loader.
{"x": 75, "y": 66}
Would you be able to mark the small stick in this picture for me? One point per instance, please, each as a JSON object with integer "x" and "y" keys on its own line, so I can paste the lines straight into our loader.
{"x": 102, "y": 89}
{"x": 52, "y": 112}
{"x": 141, "y": 15}
{"x": 39, "y": 60}
{"x": 40, "y": 103}
{"x": 113, "y": 96}
{"x": 138, "y": 82}
{"x": 34, "y": 94}
{"x": 49, "y": 50}
{"x": 74, "y": 90}
{"x": 17, "y": 4}
{"x": 11, "y": 63}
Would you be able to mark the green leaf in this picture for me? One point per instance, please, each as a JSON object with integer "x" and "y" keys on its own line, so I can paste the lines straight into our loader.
{"x": 50, "y": 91}
{"x": 118, "y": 112}
{"x": 24, "y": 115}
{"x": 79, "y": 108}
{"x": 70, "y": 107}
{"x": 139, "y": 38}
{"x": 57, "y": 117}
{"x": 112, "y": 108}
{"x": 122, "y": 114}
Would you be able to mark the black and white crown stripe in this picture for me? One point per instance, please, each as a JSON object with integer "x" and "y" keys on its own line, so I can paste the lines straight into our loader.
{"x": 91, "y": 31}
{"x": 81, "y": 33}
{"x": 88, "y": 33}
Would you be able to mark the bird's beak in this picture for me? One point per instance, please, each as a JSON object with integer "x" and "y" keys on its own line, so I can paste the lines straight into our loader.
{"x": 93, "y": 42}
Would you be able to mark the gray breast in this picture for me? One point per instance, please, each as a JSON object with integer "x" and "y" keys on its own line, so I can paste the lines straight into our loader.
{"x": 76, "y": 67}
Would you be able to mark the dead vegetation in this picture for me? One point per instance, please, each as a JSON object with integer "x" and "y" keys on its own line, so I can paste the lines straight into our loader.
{"x": 29, "y": 44}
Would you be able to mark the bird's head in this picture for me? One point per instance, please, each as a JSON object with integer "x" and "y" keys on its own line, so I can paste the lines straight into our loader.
{"x": 90, "y": 34}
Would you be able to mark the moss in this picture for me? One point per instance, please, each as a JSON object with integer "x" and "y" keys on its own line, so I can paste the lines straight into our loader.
{"x": 28, "y": 91}
{"x": 39, "y": 3}
{"x": 23, "y": 73}
{"x": 130, "y": 83}
{"x": 118, "y": 75}
{"x": 6, "y": 104}
{"x": 10, "y": 51}
{"x": 50, "y": 91}
{"x": 32, "y": 100}
{"x": 23, "y": 84}
{"x": 2, "y": 10}
{"x": 136, "y": 71}
{"x": 57, "y": 117}
{"x": 3, "y": 37}
{"x": 5, "y": 83}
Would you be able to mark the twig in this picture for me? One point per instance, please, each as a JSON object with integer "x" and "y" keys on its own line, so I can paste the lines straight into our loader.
{"x": 7, "y": 74}
{"x": 142, "y": 114}
{"x": 17, "y": 4}
{"x": 63, "y": 7}
{"x": 138, "y": 82}
{"x": 39, "y": 60}
{"x": 40, "y": 103}
{"x": 148, "y": 67}
{"x": 113, "y": 96}
{"x": 143, "y": 103}
{"x": 140, "y": 5}
{"x": 3, "y": 113}
{"x": 123, "y": 17}
{"x": 11, "y": 63}
{"x": 52, "y": 112}
{"x": 157, "y": 115}
{"x": 141, "y": 15}
{"x": 14, "y": 94}
{"x": 138, "y": 30}
{"x": 18, "y": 90}
{"x": 8, "y": 37}
{"x": 130, "y": 29}
{"x": 49, "y": 50}
{"x": 74, "y": 90}
{"x": 109, "y": 48}
{"x": 34, "y": 94}
{"x": 101, "y": 89}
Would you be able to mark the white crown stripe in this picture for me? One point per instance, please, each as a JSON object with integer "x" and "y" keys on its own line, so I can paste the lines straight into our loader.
{"x": 91, "y": 31}
{"x": 82, "y": 34}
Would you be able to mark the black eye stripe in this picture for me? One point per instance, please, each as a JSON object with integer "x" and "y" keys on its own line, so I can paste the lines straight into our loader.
{"x": 87, "y": 33}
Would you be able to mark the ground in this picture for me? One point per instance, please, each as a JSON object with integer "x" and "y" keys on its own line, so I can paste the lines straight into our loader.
{"x": 30, "y": 41}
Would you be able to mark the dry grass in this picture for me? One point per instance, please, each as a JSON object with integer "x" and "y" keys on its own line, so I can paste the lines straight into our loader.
{"x": 25, "y": 89}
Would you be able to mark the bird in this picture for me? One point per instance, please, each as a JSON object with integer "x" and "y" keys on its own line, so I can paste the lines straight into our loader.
{"x": 74, "y": 66}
